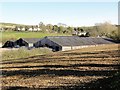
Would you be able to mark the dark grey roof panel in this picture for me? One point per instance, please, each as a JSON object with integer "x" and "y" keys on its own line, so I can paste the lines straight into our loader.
{"x": 31, "y": 40}
{"x": 77, "y": 41}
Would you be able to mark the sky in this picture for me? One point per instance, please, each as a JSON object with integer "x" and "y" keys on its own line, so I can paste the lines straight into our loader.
{"x": 70, "y": 13}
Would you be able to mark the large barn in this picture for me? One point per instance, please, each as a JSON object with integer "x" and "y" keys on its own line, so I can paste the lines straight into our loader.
{"x": 58, "y": 43}
{"x": 63, "y": 43}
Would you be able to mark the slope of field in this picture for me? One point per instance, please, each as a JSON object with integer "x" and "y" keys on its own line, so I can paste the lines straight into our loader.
{"x": 13, "y": 35}
{"x": 2, "y": 24}
{"x": 94, "y": 67}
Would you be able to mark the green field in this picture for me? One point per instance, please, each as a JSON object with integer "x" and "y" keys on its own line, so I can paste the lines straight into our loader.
{"x": 13, "y": 35}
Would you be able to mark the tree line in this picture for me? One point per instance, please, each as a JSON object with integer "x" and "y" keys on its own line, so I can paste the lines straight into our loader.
{"x": 105, "y": 29}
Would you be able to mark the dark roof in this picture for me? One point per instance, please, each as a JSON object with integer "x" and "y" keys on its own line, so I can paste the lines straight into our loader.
{"x": 77, "y": 41}
{"x": 31, "y": 40}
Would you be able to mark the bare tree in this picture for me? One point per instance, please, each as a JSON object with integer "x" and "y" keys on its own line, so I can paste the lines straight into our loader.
{"x": 105, "y": 29}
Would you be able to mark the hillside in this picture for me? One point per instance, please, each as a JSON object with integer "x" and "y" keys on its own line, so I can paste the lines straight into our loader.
{"x": 95, "y": 67}
{"x": 10, "y": 24}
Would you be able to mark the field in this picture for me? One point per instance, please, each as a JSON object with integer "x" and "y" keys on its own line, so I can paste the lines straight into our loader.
{"x": 13, "y": 35}
{"x": 94, "y": 67}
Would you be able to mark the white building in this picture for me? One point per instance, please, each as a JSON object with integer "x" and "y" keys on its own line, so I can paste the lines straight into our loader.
{"x": 30, "y": 29}
{"x": 18, "y": 29}
{"x": 23, "y": 29}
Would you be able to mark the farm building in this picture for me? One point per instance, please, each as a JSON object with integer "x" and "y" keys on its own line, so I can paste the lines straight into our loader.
{"x": 58, "y": 43}
{"x": 63, "y": 43}
{"x": 27, "y": 42}
{"x": 9, "y": 44}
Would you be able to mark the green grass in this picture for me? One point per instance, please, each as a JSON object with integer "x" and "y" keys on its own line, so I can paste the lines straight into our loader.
{"x": 2, "y": 24}
{"x": 24, "y": 53}
{"x": 13, "y": 35}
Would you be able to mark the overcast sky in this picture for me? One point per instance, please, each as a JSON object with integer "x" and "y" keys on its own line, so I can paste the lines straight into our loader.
{"x": 70, "y": 13}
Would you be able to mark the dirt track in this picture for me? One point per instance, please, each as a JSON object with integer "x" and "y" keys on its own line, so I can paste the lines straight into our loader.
{"x": 70, "y": 69}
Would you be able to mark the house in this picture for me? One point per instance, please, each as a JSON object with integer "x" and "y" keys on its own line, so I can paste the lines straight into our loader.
{"x": 30, "y": 29}
{"x": 39, "y": 29}
{"x": 63, "y": 43}
{"x": 23, "y": 29}
{"x": 18, "y": 29}
{"x": 82, "y": 33}
{"x": 74, "y": 33}
{"x": 1, "y": 29}
{"x": 35, "y": 29}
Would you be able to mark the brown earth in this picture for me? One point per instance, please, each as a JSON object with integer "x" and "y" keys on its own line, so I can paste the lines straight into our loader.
{"x": 89, "y": 68}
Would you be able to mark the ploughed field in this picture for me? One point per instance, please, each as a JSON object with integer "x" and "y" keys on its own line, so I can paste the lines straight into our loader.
{"x": 92, "y": 67}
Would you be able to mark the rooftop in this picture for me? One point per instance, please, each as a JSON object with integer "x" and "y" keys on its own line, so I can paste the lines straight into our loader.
{"x": 31, "y": 40}
{"x": 78, "y": 41}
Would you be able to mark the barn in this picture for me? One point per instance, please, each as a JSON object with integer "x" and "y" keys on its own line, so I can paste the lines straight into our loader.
{"x": 9, "y": 44}
{"x": 47, "y": 42}
{"x": 58, "y": 43}
{"x": 21, "y": 42}
{"x": 27, "y": 42}
{"x": 63, "y": 43}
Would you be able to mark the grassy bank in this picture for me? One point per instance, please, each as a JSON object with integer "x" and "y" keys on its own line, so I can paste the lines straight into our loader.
{"x": 23, "y": 53}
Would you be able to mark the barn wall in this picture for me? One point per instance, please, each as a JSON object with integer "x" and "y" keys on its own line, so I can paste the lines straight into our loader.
{"x": 0, "y": 45}
{"x": 77, "y": 47}
{"x": 8, "y": 44}
{"x": 30, "y": 45}
{"x": 52, "y": 45}
{"x": 37, "y": 44}
{"x": 65, "y": 48}
{"x": 41, "y": 43}
{"x": 47, "y": 43}
{"x": 21, "y": 42}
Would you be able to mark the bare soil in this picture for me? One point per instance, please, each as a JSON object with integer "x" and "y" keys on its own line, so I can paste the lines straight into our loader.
{"x": 90, "y": 68}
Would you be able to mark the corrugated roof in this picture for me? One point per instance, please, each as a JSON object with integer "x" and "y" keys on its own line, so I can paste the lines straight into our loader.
{"x": 31, "y": 40}
{"x": 77, "y": 41}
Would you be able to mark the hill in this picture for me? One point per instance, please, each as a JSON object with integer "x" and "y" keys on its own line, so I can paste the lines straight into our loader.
{"x": 92, "y": 68}
{"x": 2, "y": 24}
